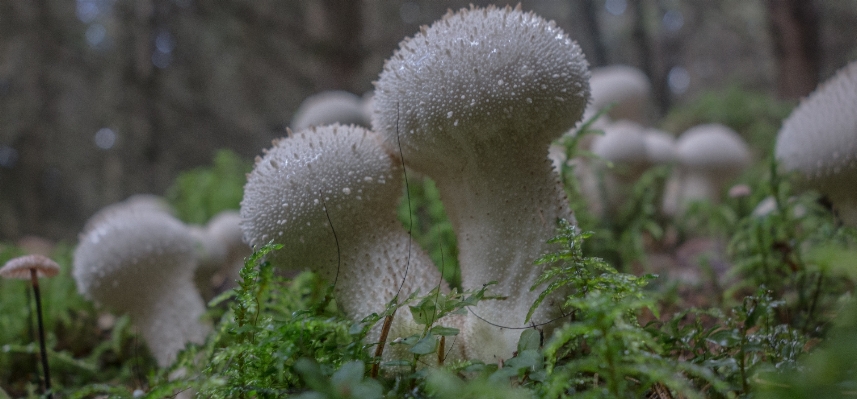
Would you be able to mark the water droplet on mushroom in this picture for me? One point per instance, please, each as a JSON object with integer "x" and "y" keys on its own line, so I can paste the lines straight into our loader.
{"x": 346, "y": 191}
{"x": 449, "y": 114}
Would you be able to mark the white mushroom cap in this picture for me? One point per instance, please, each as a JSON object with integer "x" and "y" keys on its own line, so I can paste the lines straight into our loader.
{"x": 819, "y": 140}
{"x": 710, "y": 155}
{"x": 141, "y": 262}
{"x": 224, "y": 231}
{"x": 475, "y": 77}
{"x": 624, "y": 85}
{"x": 338, "y": 180}
{"x": 329, "y": 107}
{"x": 624, "y": 145}
{"x": 137, "y": 201}
{"x": 473, "y": 101}
{"x": 341, "y": 169}
{"x": 660, "y": 147}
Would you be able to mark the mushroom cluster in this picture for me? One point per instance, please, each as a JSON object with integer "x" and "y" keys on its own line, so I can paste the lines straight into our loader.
{"x": 473, "y": 102}
{"x": 328, "y": 195}
{"x": 819, "y": 141}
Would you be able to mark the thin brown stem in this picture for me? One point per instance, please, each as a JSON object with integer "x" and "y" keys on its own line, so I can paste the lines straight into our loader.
{"x": 35, "y": 280}
{"x": 385, "y": 330}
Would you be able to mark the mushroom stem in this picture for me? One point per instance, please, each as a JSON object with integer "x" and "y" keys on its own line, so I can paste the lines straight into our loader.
{"x": 173, "y": 312}
{"x": 513, "y": 224}
{"x": 35, "y": 280}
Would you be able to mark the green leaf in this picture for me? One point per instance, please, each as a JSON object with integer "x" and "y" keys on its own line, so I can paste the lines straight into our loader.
{"x": 444, "y": 331}
{"x": 424, "y": 346}
{"x": 530, "y": 339}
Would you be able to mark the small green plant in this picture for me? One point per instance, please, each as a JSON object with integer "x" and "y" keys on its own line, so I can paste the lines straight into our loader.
{"x": 201, "y": 193}
{"x": 604, "y": 352}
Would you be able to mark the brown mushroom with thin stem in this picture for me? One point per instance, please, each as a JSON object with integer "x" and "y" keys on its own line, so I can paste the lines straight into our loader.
{"x": 819, "y": 142}
{"x": 31, "y": 267}
{"x": 473, "y": 102}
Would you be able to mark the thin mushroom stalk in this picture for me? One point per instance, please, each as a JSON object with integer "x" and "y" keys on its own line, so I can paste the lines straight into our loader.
{"x": 32, "y": 267}
{"x": 474, "y": 101}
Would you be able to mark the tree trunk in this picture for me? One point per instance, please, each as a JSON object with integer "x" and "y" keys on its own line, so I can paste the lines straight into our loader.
{"x": 794, "y": 28}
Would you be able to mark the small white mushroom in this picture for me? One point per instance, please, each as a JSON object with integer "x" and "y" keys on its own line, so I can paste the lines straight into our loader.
{"x": 626, "y": 87}
{"x": 819, "y": 141}
{"x": 140, "y": 261}
{"x": 329, "y": 107}
{"x": 220, "y": 251}
{"x": 709, "y": 156}
{"x": 328, "y": 195}
{"x": 623, "y": 145}
{"x": 473, "y": 101}
{"x": 660, "y": 147}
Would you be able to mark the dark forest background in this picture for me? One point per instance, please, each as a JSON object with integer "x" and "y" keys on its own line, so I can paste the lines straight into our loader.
{"x": 101, "y": 99}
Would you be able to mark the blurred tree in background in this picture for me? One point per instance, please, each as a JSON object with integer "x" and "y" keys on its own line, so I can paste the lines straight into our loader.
{"x": 100, "y": 99}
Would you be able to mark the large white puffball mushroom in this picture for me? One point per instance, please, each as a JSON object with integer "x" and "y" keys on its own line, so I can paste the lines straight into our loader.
{"x": 329, "y": 107}
{"x": 819, "y": 141}
{"x": 141, "y": 262}
{"x": 473, "y": 102}
{"x": 709, "y": 156}
{"x": 626, "y": 87}
{"x": 329, "y": 195}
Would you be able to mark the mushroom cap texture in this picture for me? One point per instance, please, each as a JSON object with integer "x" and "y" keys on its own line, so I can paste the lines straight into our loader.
{"x": 337, "y": 173}
{"x": 713, "y": 148}
{"x": 127, "y": 254}
{"x": 329, "y": 107}
{"x": 819, "y": 138}
{"x": 20, "y": 267}
{"x": 479, "y": 76}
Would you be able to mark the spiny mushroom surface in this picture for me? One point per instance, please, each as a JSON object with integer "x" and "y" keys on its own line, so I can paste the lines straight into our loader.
{"x": 709, "y": 155}
{"x": 473, "y": 101}
{"x": 141, "y": 261}
{"x": 328, "y": 195}
{"x": 329, "y": 107}
{"x": 819, "y": 140}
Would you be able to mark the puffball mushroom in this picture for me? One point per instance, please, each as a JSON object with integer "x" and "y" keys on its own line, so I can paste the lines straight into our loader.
{"x": 328, "y": 194}
{"x": 819, "y": 141}
{"x": 624, "y": 146}
{"x": 709, "y": 156}
{"x": 329, "y": 107}
{"x": 220, "y": 250}
{"x": 31, "y": 267}
{"x": 626, "y": 87}
{"x": 141, "y": 262}
{"x": 473, "y": 102}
